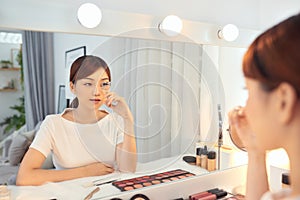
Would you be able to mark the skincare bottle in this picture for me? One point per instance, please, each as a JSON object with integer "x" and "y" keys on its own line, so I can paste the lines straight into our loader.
{"x": 198, "y": 155}
{"x": 211, "y": 161}
{"x": 203, "y": 158}
{"x": 285, "y": 180}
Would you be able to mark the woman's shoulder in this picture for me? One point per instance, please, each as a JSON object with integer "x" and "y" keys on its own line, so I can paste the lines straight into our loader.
{"x": 52, "y": 117}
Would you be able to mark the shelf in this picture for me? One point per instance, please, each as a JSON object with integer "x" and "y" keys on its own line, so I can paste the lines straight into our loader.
{"x": 10, "y": 69}
{"x": 8, "y": 90}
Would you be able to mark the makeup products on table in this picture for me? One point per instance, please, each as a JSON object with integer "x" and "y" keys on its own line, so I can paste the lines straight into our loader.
{"x": 90, "y": 195}
{"x": 154, "y": 179}
{"x": 139, "y": 197}
{"x": 211, "y": 161}
{"x": 189, "y": 159}
{"x": 203, "y": 158}
{"x": 285, "y": 180}
{"x": 198, "y": 156}
{"x": 212, "y": 194}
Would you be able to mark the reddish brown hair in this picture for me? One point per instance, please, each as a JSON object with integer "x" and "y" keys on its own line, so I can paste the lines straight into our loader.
{"x": 274, "y": 57}
{"x": 84, "y": 66}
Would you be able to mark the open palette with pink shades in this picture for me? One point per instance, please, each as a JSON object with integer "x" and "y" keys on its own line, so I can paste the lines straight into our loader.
{"x": 154, "y": 179}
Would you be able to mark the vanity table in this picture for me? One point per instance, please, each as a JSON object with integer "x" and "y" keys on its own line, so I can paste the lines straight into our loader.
{"x": 80, "y": 188}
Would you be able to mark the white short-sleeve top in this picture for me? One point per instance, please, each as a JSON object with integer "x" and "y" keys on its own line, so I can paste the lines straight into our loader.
{"x": 73, "y": 144}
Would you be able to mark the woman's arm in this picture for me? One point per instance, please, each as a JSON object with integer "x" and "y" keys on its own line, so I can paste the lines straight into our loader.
{"x": 257, "y": 181}
{"x": 30, "y": 172}
{"x": 126, "y": 151}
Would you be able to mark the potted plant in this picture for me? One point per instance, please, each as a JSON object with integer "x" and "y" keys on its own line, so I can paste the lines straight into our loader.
{"x": 17, "y": 120}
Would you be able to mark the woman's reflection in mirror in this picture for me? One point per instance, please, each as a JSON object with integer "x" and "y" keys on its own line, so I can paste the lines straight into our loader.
{"x": 90, "y": 81}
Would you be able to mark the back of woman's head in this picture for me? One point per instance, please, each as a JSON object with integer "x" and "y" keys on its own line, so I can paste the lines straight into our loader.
{"x": 274, "y": 57}
{"x": 83, "y": 67}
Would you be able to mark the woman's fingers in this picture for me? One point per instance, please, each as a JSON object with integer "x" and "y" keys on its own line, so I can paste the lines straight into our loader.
{"x": 112, "y": 99}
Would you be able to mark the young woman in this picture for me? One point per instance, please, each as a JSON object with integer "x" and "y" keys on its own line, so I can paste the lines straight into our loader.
{"x": 84, "y": 141}
{"x": 271, "y": 117}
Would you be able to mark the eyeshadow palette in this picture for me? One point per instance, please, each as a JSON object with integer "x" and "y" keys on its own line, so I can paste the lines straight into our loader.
{"x": 154, "y": 179}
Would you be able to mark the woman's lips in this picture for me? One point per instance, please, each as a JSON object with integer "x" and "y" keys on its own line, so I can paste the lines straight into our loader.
{"x": 95, "y": 100}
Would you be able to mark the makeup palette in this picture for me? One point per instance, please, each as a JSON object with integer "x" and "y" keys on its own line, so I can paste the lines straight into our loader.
{"x": 154, "y": 179}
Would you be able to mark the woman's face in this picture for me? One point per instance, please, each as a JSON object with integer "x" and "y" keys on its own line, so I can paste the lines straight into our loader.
{"x": 261, "y": 115}
{"x": 91, "y": 91}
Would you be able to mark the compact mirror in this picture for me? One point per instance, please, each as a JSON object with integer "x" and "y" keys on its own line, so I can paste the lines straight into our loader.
{"x": 235, "y": 138}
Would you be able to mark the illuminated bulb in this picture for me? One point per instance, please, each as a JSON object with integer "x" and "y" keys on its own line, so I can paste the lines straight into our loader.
{"x": 89, "y": 15}
{"x": 171, "y": 25}
{"x": 229, "y": 32}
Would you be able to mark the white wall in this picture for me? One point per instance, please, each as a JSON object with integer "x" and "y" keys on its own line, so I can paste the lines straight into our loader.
{"x": 274, "y": 11}
{"x": 63, "y": 12}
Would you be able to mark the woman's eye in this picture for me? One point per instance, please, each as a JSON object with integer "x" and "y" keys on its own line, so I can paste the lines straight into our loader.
{"x": 105, "y": 83}
{"x": 88, "y": 84}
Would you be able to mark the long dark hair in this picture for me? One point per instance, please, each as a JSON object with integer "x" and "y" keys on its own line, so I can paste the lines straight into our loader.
{"x": 274, "y": 57}
{"x": 84, "y": 66}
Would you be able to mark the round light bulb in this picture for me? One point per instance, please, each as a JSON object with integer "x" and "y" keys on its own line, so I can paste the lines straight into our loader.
{"x": 89, "y": 15}
{"x": 171, "y": 25}
{"x": 230, "y": 32}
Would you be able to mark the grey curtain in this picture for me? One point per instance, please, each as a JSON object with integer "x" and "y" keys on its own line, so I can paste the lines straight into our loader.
{"x": 38, "y": 64}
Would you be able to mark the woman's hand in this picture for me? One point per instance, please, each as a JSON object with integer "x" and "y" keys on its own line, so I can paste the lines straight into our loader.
{"x": 238, "y": 121}
{"x": 118, "y": 105}
{"x": 98, "y": 169}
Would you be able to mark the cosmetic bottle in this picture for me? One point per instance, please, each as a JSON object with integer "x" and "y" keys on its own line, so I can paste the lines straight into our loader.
{"x": 285, "y": 180}
{"x": 198, "y": 156}
{"x": 211, "y": 161}
{"x": 203, "y": 158}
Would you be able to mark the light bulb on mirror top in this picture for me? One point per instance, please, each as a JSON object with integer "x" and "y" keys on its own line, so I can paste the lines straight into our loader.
{"x": 89, "y": 15}
{"x": 230, "y": 32}
{"x": 171, "y": 25}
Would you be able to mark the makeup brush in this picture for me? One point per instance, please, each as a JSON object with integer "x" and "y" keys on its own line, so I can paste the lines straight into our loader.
{"x": 90, "y": 195}
{"x": 96, "y": 182}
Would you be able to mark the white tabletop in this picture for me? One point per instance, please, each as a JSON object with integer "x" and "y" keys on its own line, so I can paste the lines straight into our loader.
{"x": 79, "y": 188}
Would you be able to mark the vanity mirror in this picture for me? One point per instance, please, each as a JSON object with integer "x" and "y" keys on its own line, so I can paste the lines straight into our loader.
{"x": 172, "y": 87}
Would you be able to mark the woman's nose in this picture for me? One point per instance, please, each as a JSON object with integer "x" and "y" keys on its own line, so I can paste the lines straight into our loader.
{"x": 98, "y": 91}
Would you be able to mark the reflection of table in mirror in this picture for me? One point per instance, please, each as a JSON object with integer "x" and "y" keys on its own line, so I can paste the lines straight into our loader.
{"x": 79, "y": 188}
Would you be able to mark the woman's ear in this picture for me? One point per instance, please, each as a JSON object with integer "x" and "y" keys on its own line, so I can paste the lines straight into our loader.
{"x": 287, "y": 102}
{"x": 72, "y": 87}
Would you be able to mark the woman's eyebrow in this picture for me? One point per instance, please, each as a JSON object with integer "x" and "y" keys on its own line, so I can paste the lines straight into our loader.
{"x": 89, "y": 79}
